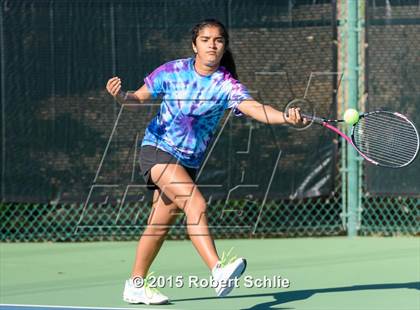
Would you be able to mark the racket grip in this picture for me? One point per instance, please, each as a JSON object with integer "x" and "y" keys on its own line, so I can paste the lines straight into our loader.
{"x": 314, "y": 118}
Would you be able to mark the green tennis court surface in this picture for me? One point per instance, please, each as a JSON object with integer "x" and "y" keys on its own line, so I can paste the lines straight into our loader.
{"x": 324, "y": 273}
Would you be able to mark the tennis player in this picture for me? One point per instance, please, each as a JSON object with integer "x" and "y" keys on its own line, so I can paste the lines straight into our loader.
{"x": 195, "y": 93}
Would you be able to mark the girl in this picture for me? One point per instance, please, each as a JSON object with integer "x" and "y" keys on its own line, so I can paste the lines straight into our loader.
{"x": 195, "y": 93}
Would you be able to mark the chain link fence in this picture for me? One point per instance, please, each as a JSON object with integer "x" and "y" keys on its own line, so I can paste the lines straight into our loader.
{"x": 390, "y": 198}
{"x": 276, "y": 181}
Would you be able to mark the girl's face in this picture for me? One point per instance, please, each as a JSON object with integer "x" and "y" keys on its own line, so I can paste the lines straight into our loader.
{"x": 209, "y": 46}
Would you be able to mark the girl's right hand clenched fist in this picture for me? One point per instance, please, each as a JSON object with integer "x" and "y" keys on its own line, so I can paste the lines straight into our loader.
{"x": 113, "y": 86}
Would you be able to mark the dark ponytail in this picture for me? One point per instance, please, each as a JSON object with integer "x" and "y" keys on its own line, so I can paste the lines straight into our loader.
{"x": 227, "y": 60}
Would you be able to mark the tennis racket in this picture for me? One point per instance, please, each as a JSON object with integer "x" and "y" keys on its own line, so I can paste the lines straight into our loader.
{"x": 383, "y": 138}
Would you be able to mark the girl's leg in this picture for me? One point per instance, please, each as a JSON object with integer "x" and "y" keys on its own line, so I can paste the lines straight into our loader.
{"x": 178, "y": 186}
{"x": 162, "y": 216}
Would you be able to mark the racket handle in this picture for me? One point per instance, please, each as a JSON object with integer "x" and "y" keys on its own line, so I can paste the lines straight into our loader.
{"x": 314, "y": 118}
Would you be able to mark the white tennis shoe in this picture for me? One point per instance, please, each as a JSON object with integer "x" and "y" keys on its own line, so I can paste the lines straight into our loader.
{"x": 227, "y": 273}
{"x": 145, "y": 294}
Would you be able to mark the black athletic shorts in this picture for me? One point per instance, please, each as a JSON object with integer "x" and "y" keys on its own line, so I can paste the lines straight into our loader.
{"x": 150, "y": 156}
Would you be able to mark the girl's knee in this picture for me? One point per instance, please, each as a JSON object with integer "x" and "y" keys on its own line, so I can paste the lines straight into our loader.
{"x": 156, "y": 231}
{"x": 195, "y": 210}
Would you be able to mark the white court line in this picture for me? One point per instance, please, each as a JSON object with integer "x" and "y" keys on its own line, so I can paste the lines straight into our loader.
{"x": 75, "y": 307}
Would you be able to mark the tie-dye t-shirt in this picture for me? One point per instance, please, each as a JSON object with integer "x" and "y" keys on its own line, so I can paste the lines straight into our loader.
{"x": 192, "y": 106}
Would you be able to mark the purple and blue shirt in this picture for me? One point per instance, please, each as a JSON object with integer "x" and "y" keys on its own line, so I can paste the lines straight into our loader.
{"x": 192, "y": 106}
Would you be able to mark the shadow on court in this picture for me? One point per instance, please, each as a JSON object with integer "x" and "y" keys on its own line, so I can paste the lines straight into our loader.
{"x": 285, "y": 297}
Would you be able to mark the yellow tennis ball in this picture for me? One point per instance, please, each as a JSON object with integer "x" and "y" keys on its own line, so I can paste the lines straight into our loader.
{"x": 351, "y": 116}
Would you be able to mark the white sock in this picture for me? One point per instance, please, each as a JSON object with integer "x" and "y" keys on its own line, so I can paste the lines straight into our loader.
{"x": 215, "y": 267}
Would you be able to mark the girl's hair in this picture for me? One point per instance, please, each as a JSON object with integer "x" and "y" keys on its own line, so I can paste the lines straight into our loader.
{"x": 227, "y": 60}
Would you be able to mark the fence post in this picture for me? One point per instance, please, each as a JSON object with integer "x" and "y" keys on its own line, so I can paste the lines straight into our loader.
{"x": 352, "y": 160}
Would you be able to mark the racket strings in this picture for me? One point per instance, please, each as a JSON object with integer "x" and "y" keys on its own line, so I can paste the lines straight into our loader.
{"x": 397, "y": 141}
{"x": 386, "y": 158}
{"x": 394, "y": 160}
{"x": 403, "y": 133}
{"x": 396, "y": 146}
{"x": 391, "y": 156}
{"x": 381, "y": 146}
{"x": 386, "y": 138}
